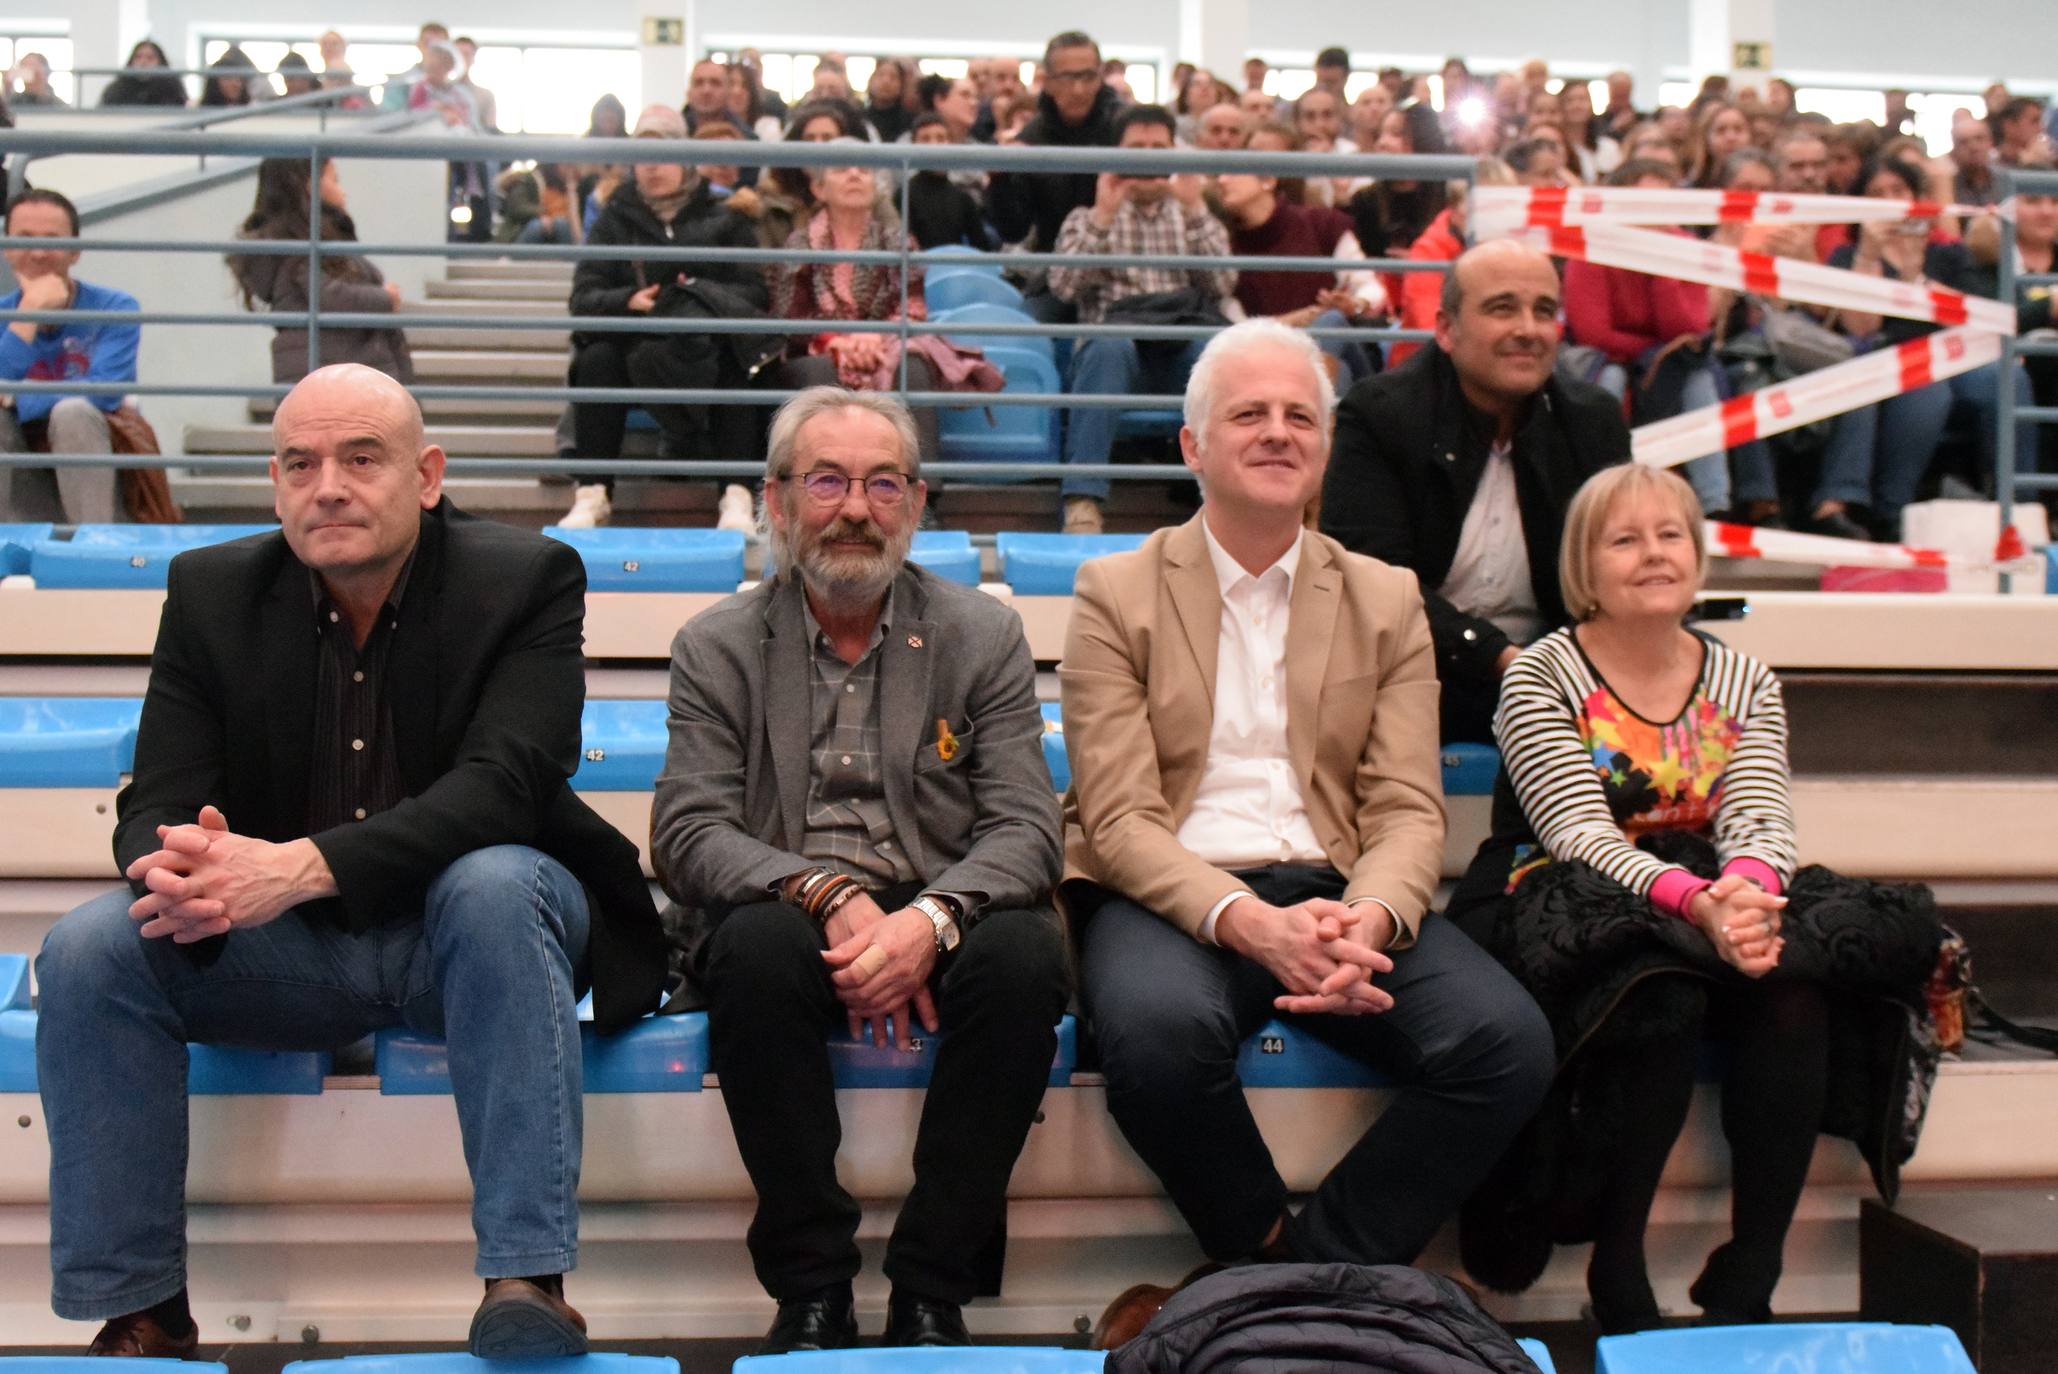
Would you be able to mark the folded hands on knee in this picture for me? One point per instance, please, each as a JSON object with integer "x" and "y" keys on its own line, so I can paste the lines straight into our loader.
{"x": 208, "y": 880}
{"x": 881, "y": 962}
{"x": 1317, "y": 949}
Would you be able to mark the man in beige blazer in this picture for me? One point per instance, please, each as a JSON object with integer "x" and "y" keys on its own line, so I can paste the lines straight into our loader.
{"x": 1255, "y": 827}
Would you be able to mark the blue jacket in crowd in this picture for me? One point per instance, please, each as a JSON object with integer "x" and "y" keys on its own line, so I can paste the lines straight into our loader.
{"x": 71, "y": 351}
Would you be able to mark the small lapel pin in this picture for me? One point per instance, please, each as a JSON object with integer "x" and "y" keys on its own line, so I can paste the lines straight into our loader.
{"x": 914, "y": 641}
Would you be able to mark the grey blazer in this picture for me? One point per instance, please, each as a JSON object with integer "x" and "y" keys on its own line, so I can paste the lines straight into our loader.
{"x": 730, "y": 808}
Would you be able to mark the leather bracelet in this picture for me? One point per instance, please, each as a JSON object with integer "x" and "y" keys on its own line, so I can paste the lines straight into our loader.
{"x": 837, "y": 899}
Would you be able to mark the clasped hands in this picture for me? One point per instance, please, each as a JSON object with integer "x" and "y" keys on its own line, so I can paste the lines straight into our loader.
{"x": 1742, "y": 921}
{"x": 208, "y": 880}
{"x": 1321, "y": 951}
{"x": 881, "y": 963}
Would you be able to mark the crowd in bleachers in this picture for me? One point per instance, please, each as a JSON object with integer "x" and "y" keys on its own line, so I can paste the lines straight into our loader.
{"x": 1661, "y": 347}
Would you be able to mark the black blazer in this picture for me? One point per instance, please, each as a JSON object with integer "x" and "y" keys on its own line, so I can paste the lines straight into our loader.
{"x": 485, "y": 676}
{"x": 1407, "y": 460}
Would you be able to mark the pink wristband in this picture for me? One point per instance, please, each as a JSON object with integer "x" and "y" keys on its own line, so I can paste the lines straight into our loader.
{"x": 1757, "y": 870}
{"x": 1674, "y": 889}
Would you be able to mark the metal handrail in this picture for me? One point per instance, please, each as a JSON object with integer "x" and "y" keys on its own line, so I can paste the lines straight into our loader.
{"x": 211, "y": 116}
{"x": 2008, "y": 482}
{"x": 903, "y": 158}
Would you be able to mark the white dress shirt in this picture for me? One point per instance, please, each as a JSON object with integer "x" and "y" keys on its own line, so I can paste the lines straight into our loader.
{"x": 1489, "y": 574}
{"x": 1249, "y": 810}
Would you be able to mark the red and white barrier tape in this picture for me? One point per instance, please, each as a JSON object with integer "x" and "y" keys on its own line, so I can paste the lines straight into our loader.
{"x": 1496, "y": 210}
{"x": 1864, "y": 380}
{"x": 1785, "y": 546}
{"x": 1713, "y": 264}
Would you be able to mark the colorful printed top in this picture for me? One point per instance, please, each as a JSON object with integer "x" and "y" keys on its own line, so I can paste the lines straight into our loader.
{"x": 1591, "y": 775}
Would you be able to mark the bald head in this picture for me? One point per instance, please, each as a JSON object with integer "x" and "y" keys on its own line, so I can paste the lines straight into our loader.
{"x": 351, "y": 389}
{"x": 1490, "y": 259}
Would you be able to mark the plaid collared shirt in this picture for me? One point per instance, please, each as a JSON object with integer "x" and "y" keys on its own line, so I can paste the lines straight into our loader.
{"x": 1167, "y": 227}
{"x": 848, "y": 826}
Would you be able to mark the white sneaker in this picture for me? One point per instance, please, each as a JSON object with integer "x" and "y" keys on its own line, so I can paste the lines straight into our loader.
{"x": 1083, "y": 516}
{"x": 590, "y": 507}
{"x": 737, "y": 509}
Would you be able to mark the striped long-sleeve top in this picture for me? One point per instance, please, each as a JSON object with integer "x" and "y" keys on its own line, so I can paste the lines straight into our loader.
{"x": 1590, "y": 775}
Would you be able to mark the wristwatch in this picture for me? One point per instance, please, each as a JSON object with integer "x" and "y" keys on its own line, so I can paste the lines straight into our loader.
{"x": 942, "y": 917}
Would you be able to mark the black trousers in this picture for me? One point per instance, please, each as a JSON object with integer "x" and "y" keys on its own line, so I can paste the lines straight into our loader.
{"x": 999, "y": 996}
{"x": 649, "y": 361}
{"x": 1470, "y": 1049}
{"x": 1466, "y": 706}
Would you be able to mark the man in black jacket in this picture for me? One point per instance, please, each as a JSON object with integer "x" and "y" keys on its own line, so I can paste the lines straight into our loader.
{"x": 1460, "y": 465}
{"x": 1076, "y": 110}
{"x": 383, "y": 700}
{"x": 669, "y": 206}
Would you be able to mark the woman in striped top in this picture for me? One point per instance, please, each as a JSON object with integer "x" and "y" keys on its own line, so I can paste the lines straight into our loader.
{"x": 1641, "y": 883}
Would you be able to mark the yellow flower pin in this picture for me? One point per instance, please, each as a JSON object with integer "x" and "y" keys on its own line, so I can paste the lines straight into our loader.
{"x": 946, "y": 742}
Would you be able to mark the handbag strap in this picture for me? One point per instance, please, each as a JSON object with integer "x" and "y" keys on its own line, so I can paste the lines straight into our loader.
{"x": 2036, "y": 1037}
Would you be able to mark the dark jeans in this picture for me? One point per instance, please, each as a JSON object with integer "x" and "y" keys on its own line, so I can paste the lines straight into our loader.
{"x": 651, "y": 362}
{"x": 771, "y": 1008}
{"x": 1465, "y": 707}
{"x": 1469, "y": 1049}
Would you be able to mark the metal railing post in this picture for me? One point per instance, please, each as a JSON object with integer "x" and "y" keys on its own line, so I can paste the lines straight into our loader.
{"x": 314, "y": 256}
{"x": 906, "y": 236}
{"x": 2004, "y": 384}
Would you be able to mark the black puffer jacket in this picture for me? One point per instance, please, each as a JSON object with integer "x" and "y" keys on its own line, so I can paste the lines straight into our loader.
{"x": 1020, "y": 203}
{"x": 604, "y": 287}
{"x": 1322, "y": 1319}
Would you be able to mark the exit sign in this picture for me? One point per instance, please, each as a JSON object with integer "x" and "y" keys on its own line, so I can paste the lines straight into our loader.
{"x": 663, "y": 33}
{"x": 1752, "y": 57}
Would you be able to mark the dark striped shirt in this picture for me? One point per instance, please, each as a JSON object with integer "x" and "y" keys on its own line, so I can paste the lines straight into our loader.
{"x": 1591, "y": 775}
{"x": 355, "y": 773}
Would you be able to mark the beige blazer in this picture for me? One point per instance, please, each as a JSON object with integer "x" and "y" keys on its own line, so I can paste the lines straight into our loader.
{"x": 1361, "y": 723}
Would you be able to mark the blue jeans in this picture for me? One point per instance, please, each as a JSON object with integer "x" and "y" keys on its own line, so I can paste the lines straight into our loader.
{"x": 1709, "y": 474}
{"x": 1877, "y": 454}
{"x": 490, "y": 964}
{"x": 1980, "y": 391}
{"x": 1110, "y": 367}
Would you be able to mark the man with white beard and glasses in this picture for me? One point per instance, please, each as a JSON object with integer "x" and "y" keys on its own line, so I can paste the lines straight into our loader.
{"x": 857, "y": 824}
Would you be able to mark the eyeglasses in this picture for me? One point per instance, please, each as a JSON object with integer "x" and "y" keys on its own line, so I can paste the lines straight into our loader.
{"x": 1076, "y": 78}
{"x": 828, "y": 487}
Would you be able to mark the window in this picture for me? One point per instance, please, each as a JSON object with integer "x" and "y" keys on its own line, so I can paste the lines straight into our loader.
{"x": 56, "y": 51}
{"x": 537, "y": 89}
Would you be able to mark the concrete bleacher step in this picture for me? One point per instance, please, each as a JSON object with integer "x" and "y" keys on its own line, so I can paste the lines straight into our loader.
{"x": 509, "y": 271}
{"x": 498, "y": 340}
{"x": 490, "y": 367}
{"x": 499, "y": 289}
{"x": 486, "y": 310}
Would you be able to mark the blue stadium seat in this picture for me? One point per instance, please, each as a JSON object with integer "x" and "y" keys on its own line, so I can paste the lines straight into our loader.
{"x": 1005, "y": 433}
{"x": 1285, "y": 1056}
{"x": 1816, "y": 1347}
{"x": 1045, "y": 564}
{"x": 2051, "y": 570}
{"x": 17, "y": 542}
{"x": 624, "y": 559}
{"x": 1539, "y": 1354}
{"x": 67, "y": 741}
{"x": 124, "y": 555}
{"x": 14, "y": 982}
{"x": 1469, "y": 770}
{"x": 105, "y": 1364}
{"x": 949, "y": 290}
{"x": 457, "y": 1362}
{"x": 621, "y": 746}
{"x": 1054, "y": 755}
{"x": 659, "y": 1054}
{"x": 964, "y": 258}
{"x": 947, "y": 553}
{"x": 862, "y": 1064}
{"x": 213, "y": 1070}
{"x": 962, "y": 317}
{"x": 995, "y": 1359}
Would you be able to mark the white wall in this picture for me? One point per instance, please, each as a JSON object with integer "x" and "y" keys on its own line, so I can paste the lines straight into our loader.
{"x": 1969, "y": 41}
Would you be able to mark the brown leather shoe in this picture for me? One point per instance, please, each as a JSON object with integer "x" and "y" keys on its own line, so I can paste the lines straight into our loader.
{"x": 139, "y": 1334}
{"x": 1133, "y": 1308}
{"x": 519, "y": 1321}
